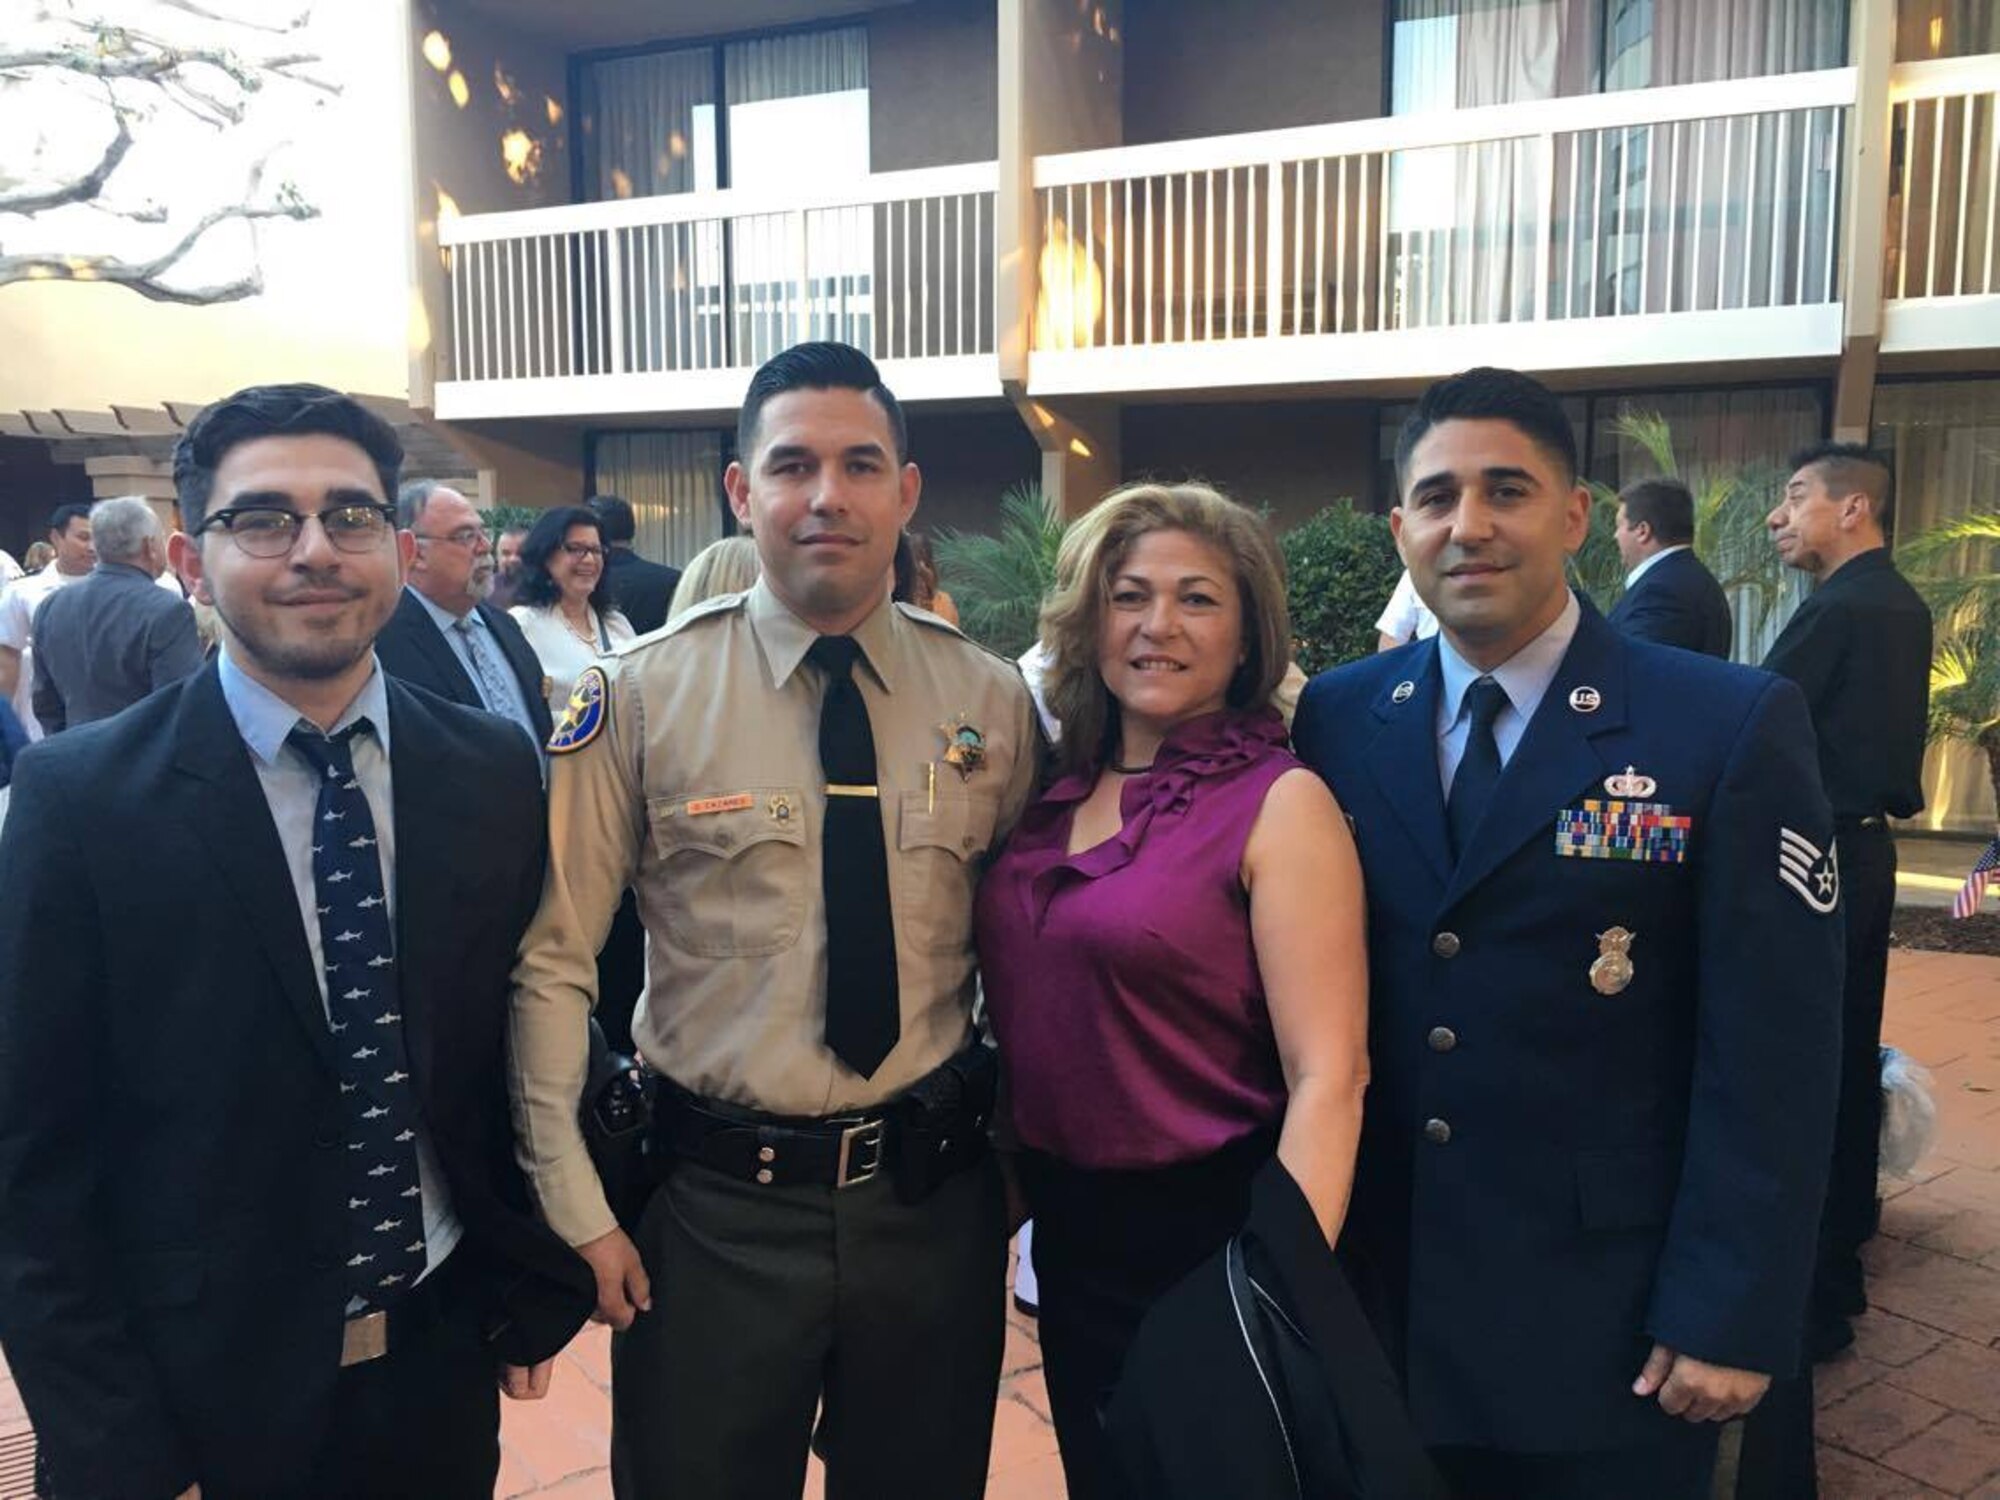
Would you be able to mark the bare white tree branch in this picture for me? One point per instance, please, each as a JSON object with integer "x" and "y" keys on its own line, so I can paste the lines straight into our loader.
{"x": 281, "y": 28}
{"x": 144, "y": 277}
{"x": 84, "y": 189}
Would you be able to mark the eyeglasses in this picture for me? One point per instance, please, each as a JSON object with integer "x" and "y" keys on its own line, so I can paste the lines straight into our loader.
{"x": 465, "y": 536}
{"x": 271, "y": 531}
{"x": 582, "y": 550}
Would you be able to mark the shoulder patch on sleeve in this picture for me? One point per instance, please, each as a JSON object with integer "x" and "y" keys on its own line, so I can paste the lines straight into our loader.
{"x": 1813, "y": 874}
{"x": 583, "y": 718}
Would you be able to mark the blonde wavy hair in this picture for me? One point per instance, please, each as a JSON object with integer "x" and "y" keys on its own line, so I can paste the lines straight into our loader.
{"x": 1096, "y": 546}
{"x": 725, "y": 567}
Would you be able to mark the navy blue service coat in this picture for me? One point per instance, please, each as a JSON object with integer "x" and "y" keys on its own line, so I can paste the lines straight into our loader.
{"x": 1553, "y": 1177}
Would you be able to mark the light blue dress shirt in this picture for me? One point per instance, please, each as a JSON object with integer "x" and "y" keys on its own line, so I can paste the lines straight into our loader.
{"x": 291, "y": 789}
{"x": 515, "y": 707}
{"x": 1524, "y": 677}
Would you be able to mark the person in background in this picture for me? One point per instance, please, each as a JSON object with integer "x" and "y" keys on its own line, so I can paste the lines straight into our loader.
{"x": 1405, "y": 617}
{"x": 444, "y": 636}
{"x": 917, "y": 578}
{"x": 1602, "y": 961}
{"x": 106, "y": 643}
{"x": 564, "y": 599}
{"x": 507, "y": 567}
{"x": 1171, "y": 944}
{"x": 38, "y": 556}
{"x": 9, "y": 569}
{"x": 72, "y": 559}
{"x": 728, "y": 566}
{"x": 641, "y": 589}
{"x": 1670, "y": 596}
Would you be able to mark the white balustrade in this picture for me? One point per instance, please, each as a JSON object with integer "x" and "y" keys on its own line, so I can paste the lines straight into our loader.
{"x": 1944, "y": 179}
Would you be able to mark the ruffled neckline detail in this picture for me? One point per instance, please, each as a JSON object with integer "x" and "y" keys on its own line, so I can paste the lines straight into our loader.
{"x": 1210, "y": 745}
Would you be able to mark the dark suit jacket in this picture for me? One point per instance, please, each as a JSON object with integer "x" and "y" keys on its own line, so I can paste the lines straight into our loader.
{"x": 171, "y": 1280}
{"x": 1553, "y": 1177}
{"x": 641, "y": 589}
{"x": 1677, "y": 603}
{"x": 104, "y": 643}
{"x": 413, "y": 648}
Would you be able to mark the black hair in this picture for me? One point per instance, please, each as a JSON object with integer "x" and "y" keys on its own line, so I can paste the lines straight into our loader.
{"x": 1854, "y": 469}
{"x": 537, "y": 586}
{"x": 62, "y": 515}
{"x": 615, "y": 522}
{"x": 1664, "y": 504}
{"x": 1495, "y": 395}
{"x": 820, "y": 366}
{"x": 261, "y": 411}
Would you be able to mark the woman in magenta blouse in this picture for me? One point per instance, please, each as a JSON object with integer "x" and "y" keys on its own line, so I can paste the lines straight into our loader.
{"x": 1171, "y": 943}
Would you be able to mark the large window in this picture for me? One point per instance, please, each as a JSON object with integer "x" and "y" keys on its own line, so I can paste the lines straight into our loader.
{"x": 1946, "y": 28}
{"x": 1631, "y": 234}
{"x": 1943, "y": 439}
{"x": 773, "y": 112}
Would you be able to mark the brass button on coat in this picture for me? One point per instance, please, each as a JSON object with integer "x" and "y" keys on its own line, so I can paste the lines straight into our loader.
{"x": 1445, "y": 945}
{"x": 1437, "y": 1132}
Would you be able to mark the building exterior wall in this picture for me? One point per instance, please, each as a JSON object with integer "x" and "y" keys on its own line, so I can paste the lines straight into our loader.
{"x": 933, "y": 74}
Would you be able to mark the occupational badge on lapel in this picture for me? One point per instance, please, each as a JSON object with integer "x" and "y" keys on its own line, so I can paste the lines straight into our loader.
{"x": 964, "y": 747}
{"x": 1585, "y": 700}
{"x": 1647, "y": 832}
{"x": 1611, "y": 971}
{"x": 1404, "y": 692}
{"x": 1813, "y": 874}
{"x": 583, "y": 718}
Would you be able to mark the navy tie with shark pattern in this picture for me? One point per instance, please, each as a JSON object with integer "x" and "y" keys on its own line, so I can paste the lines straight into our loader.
{"x": 385, "y": 1211}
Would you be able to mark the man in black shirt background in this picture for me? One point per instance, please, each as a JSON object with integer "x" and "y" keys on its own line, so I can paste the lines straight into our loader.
{"x": 1860, "y": 647}
{"x": 642, "y": 589}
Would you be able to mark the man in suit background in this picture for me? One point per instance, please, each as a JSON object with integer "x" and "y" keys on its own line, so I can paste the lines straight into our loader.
{"x": 264, "y": 1233}
{"x": 1603, "y": 968}
{"x": 116, "y": 636}
{"x": 444, "y": 636}
{"x": 643, "y": 589}
{"x": 1670, "y": 596}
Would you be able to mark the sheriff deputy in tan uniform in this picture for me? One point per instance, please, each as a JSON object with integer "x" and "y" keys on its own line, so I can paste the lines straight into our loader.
{"x": 802, "y": 784}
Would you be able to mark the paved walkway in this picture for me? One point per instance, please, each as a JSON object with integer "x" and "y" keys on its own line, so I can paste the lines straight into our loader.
{"x": 1912, "y": 1412}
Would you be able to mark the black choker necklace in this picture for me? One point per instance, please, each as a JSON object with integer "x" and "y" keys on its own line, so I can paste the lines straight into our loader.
{"x": 1131, "y": 770}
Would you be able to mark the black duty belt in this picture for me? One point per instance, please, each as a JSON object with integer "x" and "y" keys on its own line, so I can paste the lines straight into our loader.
{"x": 773, "y": 1150}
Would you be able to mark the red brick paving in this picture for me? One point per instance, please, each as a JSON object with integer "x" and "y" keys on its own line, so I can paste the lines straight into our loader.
{"x": 1912, "y": 1412}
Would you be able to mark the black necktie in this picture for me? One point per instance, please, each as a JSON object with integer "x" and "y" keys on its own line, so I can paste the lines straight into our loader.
{"x": 863, "y": 1016}
{"x": 385, "y": 1210}
{"x": 1479, "y": 767}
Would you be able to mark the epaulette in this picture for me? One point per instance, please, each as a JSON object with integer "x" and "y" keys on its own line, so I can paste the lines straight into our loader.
{"x": 719, "y": 604}
{"x": 941, "y": 624}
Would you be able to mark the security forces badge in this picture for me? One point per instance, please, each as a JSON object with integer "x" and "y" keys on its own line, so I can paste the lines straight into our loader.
{"x": 583, "y": 718}
{"x": 1814, "y": 874}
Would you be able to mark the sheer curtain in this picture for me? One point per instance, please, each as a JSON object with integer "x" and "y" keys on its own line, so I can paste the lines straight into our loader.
{"x": 674, "y": 483}
{"x": 1943, "y": 438}
{"x": 639, "y": 119}
{"x": 1946, "y": 28}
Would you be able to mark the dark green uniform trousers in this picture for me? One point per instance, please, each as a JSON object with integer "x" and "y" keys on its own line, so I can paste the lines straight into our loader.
{"x": 768, "y": 1300}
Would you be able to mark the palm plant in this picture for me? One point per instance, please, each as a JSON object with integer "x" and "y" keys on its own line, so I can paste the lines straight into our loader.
{"x": 999, "y": 581}
{"x": 1951, "y": 565}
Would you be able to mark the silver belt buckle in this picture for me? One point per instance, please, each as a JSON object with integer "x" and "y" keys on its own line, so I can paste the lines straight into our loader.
{"x": 860, "y": 1153}
{"x": 364, "y": 1337}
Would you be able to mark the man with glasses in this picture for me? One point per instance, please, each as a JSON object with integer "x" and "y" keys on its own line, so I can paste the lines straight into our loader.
{"x": 264, "y": 1233}
{"x": 444, "y": 635}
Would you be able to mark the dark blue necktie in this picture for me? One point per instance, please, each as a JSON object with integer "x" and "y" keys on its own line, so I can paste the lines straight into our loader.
{"x": 863, "y": 1012}
{"x": 385, "y": 1209}
{"x": 1479, "y": 767}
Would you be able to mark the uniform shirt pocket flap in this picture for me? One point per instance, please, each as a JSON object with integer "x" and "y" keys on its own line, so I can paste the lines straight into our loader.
{"x": 1626, "y": 1188}
{"x": 163, "y": 1278}
{"x": 724, "y": 825}
{"x": 960, "y": 823}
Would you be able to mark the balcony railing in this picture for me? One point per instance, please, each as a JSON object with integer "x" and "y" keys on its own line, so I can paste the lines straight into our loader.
{"x": 1697, "y": 199}
{"x": 1945, "y": 179}
{"x": 670, "y": 300}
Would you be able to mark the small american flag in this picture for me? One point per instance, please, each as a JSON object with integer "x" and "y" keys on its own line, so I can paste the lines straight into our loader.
{"x": 1984, "y": 869}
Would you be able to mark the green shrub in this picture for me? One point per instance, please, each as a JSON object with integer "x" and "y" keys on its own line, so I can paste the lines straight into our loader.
{"x": 998, "y": 582}
{"x": 1341, "y": 567}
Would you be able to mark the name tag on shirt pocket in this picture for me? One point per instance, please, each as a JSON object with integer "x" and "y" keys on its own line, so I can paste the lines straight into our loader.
{"x": 1644, "y": 832}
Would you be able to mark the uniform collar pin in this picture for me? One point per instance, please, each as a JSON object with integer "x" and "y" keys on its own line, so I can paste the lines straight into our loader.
{"x": 1585, "y": 700}
{"x": 1405, "y": 691}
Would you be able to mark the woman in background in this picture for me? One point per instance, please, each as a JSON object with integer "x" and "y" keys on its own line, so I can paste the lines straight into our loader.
{"x": 917, "y": 578}
{"x": 564, "y": 605}
{"x": 1172, "y": 942}
{"x": 725, "y": 567}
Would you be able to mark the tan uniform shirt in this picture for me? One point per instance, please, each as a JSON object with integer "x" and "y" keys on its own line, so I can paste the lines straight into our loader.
{"x": 702, "y": 790}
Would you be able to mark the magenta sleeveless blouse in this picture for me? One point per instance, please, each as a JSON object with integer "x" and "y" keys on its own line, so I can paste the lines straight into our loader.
{"x": 1123, "y": 981}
